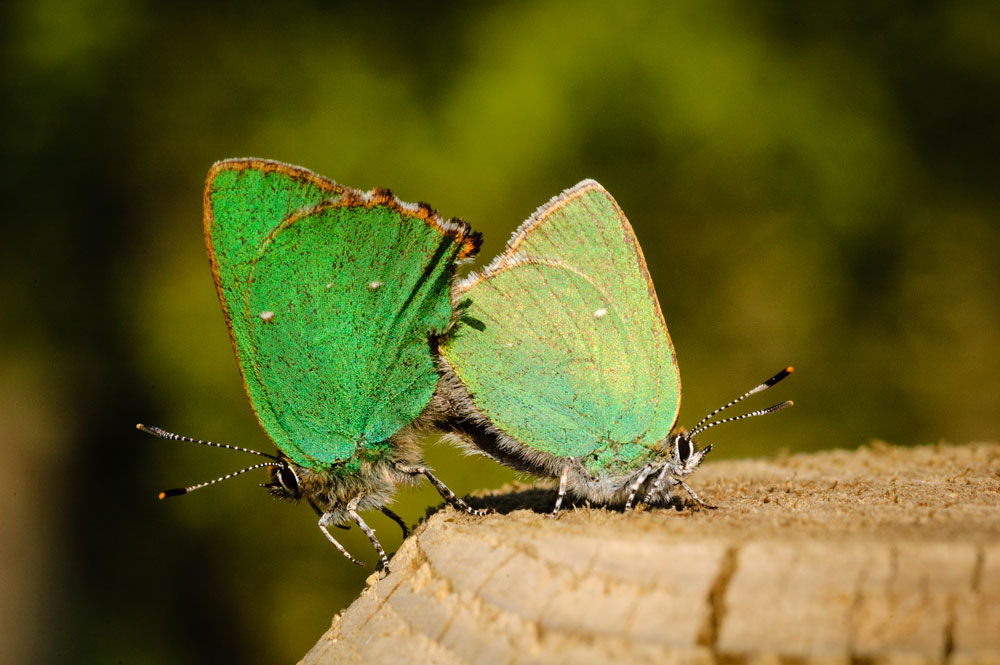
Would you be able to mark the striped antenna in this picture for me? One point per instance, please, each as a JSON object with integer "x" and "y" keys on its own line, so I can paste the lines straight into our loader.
{"x": 752, "y": 414}
{"x": 762, "y": 387}
{"x": 170, "y": 436}
{"x": 184, "y": 490}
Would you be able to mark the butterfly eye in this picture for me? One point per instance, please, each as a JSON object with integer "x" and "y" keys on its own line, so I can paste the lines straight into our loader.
{"x": 683, "y": 448}
{"x": 287, "y": 479}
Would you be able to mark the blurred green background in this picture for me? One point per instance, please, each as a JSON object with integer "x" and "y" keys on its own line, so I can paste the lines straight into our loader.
{"x": 812, "y": 184}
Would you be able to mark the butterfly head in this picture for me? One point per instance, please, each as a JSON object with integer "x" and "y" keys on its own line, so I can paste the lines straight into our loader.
{"x": 684, "y": 455}
{"x": 284, "y": 482}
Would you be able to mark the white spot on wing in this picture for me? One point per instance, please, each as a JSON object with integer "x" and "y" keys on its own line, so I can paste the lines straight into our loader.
{"x": 374, "y": 285}
{"x": 599, "y": 313}
{"x": 266, "y": 315}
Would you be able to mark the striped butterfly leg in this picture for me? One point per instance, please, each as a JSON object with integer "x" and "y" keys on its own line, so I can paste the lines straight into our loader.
{"x": 352, "y": 510}
{"x": 385, "y": 511}
{"x": 574, "y": 463}
{"x": 694, "y": 496}
{"x": 324, "y": 525}
{"x": 657, "y": 486}
{"x": 563, "y": 481}
{"x": 442, "y": 489}
{"x": 640, "y": 478}
{"x": 674, "y": 479}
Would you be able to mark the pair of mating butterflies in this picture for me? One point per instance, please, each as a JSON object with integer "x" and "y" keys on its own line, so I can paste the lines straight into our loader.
{"x": 354, "y": 337}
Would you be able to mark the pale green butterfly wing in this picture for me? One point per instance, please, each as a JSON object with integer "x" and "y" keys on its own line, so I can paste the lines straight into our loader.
{"x": 564, "y": 348}
{"x": 548, "y": 384}
{"x": 330, "y": 309}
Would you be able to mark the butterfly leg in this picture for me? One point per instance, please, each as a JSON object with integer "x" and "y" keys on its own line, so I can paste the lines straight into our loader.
{"x": 352, "y": 510}
{"x": 320, "y": 513}
{"x": 442, "y": 489}
{"x": 563, "y": 480}
{"x": 640, "y": 478}
{"x": 324, "y": 526}
{"x": 693, "y": 495}
{"x": 657, "y": 486}
{"x": 398, "y": 520}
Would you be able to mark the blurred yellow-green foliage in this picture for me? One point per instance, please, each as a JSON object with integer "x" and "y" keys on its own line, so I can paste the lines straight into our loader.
{"x": 813, "y": 184}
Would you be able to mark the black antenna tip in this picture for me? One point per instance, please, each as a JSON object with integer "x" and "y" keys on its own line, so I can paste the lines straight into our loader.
{"x": 779, "y": 376}
{"x": 173, "y": 492}
{"x": 779, "y": 407}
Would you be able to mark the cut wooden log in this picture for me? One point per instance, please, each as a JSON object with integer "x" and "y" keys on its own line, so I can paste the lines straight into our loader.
{"x": 878, "y": 555}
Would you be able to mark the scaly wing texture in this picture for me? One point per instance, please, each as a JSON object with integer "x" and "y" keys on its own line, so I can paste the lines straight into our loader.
{"x": 570, "y": 355}
{"x": 330, "y": 296}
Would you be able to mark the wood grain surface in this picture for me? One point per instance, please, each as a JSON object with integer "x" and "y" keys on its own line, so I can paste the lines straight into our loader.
{"x": 880, "y": 555}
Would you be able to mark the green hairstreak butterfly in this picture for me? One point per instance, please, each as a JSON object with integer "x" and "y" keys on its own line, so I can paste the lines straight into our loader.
{"x": 331, "y": 296}
{"x": 560, "y": 363}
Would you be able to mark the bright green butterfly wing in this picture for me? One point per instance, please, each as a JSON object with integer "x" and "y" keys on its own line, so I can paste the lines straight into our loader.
{"x": 564, "y": 348}
{"x": 330, "y": 296}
